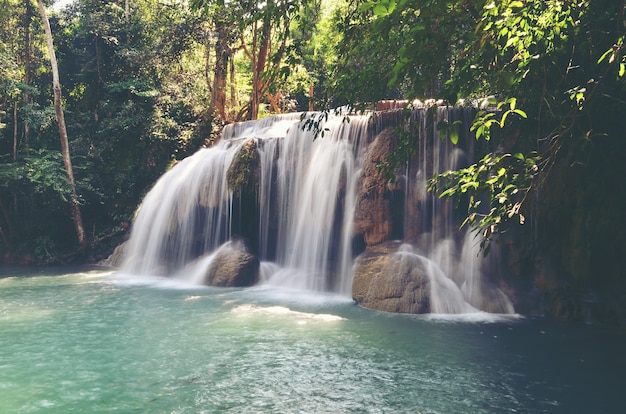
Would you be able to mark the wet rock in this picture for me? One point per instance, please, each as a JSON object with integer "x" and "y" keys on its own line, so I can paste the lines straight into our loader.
{"x": 233, "y": 266}
{"x": 390, "y": 282}
{"x": 373, "y": 217}
{"x": 117, "y": 257}
{"x": 243, "y": 170}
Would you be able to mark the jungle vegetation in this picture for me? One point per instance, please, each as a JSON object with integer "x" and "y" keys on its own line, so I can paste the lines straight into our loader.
{"x": 148, "y": 82}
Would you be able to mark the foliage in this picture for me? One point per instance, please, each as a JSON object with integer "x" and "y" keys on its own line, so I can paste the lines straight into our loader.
{"x": 143, "y": 84}
{"x": 495, "y": 188}
{"x": 532, "y": 50}
{"x": 486, "y": 119}
{"x": 128, "y": 115}
{"x": 260, "y": 33}
{"x": 401, "y": 49}
{"x": 554, "y": 69}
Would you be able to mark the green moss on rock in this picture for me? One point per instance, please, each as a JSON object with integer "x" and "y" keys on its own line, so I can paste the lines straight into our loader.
{"x": 243, "y": 169}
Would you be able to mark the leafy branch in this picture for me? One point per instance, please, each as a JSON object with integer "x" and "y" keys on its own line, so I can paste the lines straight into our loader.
{"x": 486, "y": 119}
{"x": 495, "y": 188}
{"x": 314, "y": 121}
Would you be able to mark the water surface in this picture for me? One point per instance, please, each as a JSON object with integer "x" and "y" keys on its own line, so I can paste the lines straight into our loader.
{"x": 94, "y": 341}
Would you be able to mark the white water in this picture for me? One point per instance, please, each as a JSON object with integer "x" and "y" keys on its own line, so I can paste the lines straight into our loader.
{"x": 306, "y": 194}
{"x": 431, "y": 224}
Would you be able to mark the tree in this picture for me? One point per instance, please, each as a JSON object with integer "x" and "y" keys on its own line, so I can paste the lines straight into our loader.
{"x": 563, "y": 63}
{"x": 552, "y": 63}
{"x": 268, "y": 23}
{"x": 65, "y": 149}
{"x": 401, "y": 49}
{"x": 261, "y": 30}
{"x": 134, "y": 102}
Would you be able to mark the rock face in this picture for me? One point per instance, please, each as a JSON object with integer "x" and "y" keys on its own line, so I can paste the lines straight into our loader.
{"x": 233, "y": 266}
{"x": 391, "y": 282}
{"x": 373, "y": 219}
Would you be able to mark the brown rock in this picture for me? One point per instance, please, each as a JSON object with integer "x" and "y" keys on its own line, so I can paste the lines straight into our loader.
{"x": 391, "y": 282}
{"x": 233, "y": 266}
{"x": 373, "y": 214}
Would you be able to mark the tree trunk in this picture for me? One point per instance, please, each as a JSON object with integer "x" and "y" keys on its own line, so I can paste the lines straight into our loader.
{"x": 258, "y": 67}
{"x": 222, "y": 56}
{"x": 15, "y": 131}
{"x": 28, "y": 52}
{"x": 233, "y": 89}
{"x": 311, "y": 97}
{"x": 65, "y": 150}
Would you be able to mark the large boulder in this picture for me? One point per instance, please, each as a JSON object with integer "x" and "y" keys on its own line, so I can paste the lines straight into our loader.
{"x": 233, "y": 266}
{"x": 391, "y": 281}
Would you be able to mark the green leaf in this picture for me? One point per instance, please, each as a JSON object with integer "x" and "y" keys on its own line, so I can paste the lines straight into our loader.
{"x": 479, "y": 131}
{"x": 504, "y": 118}
{"x": 380, "y": 10}
{"x": 520, "y": 113}
{"x": 454, "y": 137}
{"x": 366, "y": 6}
{"x": 448, "y": 193}
{"x": 605, "y": 54}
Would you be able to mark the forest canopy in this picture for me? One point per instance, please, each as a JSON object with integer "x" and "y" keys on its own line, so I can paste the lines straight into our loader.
{"x": 146, "y": 83}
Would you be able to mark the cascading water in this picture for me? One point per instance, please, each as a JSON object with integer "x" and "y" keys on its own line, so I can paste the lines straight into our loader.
{"x": 305, "y": 195}
{"x": 300, "y": 220}
{"x": 317, "y": 189}
{"x": 431, "y": 225}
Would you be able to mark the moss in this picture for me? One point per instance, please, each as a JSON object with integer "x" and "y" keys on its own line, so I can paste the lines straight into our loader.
{"x": 241, "y": 172}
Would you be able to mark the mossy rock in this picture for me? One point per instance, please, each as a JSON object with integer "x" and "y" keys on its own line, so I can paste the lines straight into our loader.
{"x": 243, "y": 170}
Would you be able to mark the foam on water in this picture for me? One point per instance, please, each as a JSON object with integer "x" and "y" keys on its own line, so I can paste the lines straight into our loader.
{"x": 284, "y": 312}
{"x": 471, "y": 317}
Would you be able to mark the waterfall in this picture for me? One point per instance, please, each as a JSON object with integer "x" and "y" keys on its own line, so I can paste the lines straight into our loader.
{"x": 305, "y": 196}
{"x": 298, "y": 213}
{"x": 317, "y": 189}
{"x": 185, "y": 214}
{"x": 432, "y": 225}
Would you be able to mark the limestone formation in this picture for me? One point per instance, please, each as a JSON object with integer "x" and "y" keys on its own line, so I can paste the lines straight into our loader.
{"x": 385, "y": 280}
{"x": 233, "y": 266}
{"x": 373, "y": 214}
{"x": 241, "y": 174}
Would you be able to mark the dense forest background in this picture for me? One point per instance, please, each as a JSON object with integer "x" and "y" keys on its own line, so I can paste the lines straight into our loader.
{"x": 146, "y": 83}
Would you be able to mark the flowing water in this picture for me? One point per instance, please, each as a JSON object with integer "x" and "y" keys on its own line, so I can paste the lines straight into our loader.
{"x": 300, "y": 222}
{"x": 94, "y": 342}
{"x": 306, "y": 193}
